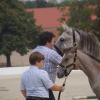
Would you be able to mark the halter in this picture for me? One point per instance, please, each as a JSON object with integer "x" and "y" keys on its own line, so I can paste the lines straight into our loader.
{"x": 72, "y": 64}
{"x": 75, "y": 56}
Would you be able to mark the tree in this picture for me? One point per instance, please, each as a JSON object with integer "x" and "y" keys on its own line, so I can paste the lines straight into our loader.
{"x": 41, "y": 3}
{"x": 96, "y": 25}
{"x": 84, "y": 15}
{"x": 30, "y": 4}
{"x": 17, "y": 29}
{"x": 38, "y": 4}
{"x": 53, "y": 1}
{"x": 79, "y": 14}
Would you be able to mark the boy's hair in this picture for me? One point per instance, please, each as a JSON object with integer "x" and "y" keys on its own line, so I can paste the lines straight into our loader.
{"x": 45, "y": 37}
{"x": 35, "y": 57}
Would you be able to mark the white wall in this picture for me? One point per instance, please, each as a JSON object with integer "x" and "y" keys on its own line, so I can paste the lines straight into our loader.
{"x": 10, "y": 83}
{"x": 76, "y": 84}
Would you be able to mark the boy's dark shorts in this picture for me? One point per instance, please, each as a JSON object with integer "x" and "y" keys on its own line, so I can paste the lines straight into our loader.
{"x": 36, "y": 98}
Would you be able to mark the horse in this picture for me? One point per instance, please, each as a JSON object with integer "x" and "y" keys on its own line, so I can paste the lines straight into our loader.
{"x": 84, "y": 48}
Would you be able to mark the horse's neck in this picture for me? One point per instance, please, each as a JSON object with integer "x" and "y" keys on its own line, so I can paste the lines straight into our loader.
{"x": 89, "y": 45}
{"x": 88, "y": 66}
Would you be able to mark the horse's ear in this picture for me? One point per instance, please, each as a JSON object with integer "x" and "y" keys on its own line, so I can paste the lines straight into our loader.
{"x": 65, "y": 27}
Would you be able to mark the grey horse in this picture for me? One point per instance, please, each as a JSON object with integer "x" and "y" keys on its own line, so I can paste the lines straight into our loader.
{"x": 87, "y": 53}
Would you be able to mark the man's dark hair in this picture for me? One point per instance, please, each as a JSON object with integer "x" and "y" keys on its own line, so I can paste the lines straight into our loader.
{"x": 35, "y": 57}
{"x": 45, "y": 37}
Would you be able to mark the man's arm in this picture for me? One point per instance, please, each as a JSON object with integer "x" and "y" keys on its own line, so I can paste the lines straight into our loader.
{"x": 55, "y": 57}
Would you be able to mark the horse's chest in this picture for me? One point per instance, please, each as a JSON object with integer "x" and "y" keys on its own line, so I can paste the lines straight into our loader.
{"x": 96, "y": 87}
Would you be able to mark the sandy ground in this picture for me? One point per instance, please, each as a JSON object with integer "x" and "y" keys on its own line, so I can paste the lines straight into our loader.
{"x": 76, "y": 85}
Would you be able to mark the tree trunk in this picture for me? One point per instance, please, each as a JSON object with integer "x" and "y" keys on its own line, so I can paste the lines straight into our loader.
{"x": 8, "y": 59}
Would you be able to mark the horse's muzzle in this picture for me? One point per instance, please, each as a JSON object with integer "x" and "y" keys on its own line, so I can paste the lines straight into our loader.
{"x": 58, "y": 50}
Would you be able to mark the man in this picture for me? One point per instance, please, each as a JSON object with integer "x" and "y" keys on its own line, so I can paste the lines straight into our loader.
{"x": 35, "y": 82}
{"x": 52, "y": 58}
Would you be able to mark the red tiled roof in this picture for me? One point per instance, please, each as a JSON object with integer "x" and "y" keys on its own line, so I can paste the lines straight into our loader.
{"x": 47, "y": 17}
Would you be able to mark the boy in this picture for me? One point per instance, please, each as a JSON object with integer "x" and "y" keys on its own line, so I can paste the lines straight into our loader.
{"x": 35, "y": 82}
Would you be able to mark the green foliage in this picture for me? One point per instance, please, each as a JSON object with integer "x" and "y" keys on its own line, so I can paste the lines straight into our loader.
{"x": 30, "y": 4}
{"x": 38, "y": 4}
{"x": 80, "y": 16}
{"x": 81, "y": 12}
{"x": 17, "y": 28}
{"x": 60, "y": 29}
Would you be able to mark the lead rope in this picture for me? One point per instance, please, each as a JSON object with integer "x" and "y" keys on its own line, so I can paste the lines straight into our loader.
{"x": 63, "y": 85}
{"x": 74, "y": 60}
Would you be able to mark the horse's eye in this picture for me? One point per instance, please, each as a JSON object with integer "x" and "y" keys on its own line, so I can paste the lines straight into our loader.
{"x": 61, "y": 39}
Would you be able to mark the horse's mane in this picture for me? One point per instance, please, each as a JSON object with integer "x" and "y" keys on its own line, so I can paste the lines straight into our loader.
{"x": 89, "y": 44}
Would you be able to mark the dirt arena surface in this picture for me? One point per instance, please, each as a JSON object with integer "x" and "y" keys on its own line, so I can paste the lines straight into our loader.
{"x": 76, "y": 85}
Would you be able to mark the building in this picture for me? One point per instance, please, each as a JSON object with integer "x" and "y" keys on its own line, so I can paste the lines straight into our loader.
{"x": 49, "y": 18}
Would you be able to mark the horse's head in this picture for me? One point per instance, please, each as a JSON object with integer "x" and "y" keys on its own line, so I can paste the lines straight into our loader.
{"x": 65, "y": 41}
{"x": 65, "y": 44}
